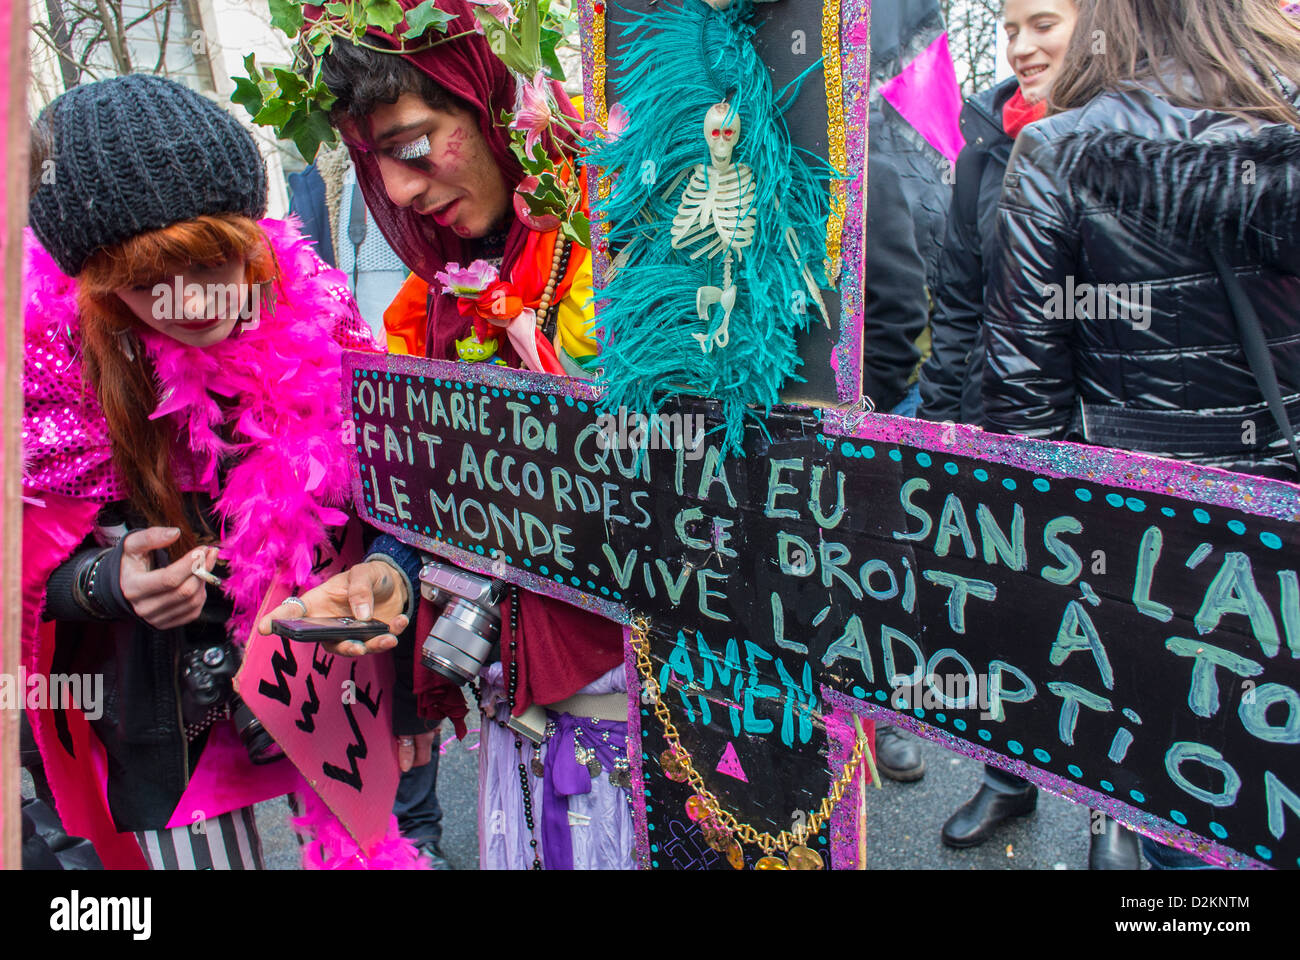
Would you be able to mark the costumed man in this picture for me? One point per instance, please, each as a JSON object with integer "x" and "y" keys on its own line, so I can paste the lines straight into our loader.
{"x": 181, "y": 381}
{"x": 434, "y": 161}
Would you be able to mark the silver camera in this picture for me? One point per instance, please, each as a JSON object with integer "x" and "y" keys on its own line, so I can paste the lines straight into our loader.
{"x": 463, "y": 639}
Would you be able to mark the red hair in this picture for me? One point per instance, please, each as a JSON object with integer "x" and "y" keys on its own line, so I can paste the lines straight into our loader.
{"x": 125, "y": 386}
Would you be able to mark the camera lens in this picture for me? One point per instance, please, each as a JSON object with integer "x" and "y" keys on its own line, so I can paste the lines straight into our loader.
{"x": 462, "y": 640}
{"x": 260, "y": 745}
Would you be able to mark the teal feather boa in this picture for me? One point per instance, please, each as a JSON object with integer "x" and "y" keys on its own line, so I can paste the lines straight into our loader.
{"x": 676, "y": 63}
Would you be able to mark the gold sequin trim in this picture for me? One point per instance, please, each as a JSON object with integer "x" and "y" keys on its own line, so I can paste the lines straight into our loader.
{"x": 839, "y": 154}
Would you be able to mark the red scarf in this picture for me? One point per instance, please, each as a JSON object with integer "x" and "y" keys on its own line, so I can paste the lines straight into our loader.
{"x": 1018, "y": 113}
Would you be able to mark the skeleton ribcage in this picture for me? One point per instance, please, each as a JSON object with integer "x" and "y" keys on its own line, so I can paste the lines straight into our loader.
{"x": 716, "y": 212}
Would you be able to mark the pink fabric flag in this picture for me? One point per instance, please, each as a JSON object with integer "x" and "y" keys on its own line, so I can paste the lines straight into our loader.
{"x": 927, "y": 96}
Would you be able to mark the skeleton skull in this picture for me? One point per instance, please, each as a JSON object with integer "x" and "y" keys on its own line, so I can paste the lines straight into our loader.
{"x": 721, "y": 132}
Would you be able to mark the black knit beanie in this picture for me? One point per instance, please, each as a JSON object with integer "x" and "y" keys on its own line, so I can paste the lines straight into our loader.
{"x": 135, "y": 154}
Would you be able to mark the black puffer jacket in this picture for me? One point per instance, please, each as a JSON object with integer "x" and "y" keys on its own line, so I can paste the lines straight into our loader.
{"x": 950, "y": 378}
{"x": 1107, "y": 319}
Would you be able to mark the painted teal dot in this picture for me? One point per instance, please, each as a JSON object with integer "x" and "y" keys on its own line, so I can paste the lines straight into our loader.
{"x": 1202, "y": 516}
{"x": 951, "y": 468}
{"x": 654, "y": 847}
{"x": 568, "y": 401}
{"x": 1041, "y": 485}
{"x": 575, "y": 581}
{"x": 1114, "y": 499}
{"x": 1178, "y": 817}
{"x": 1009, "y": 483}
{"x": 1264, "y": 852}
{"x": 582, "y": 406}
{"x": 959, "y": 723}
{"x": 985, "y": 735}
{"x": 1108, "y": 786}
{"x": 534, "y": 399}
{"x": 591, "y": 585}
{"x": 559, "y": 578}
{"x": 859, "y": 693}
{"x": 478, "y": 548}
{"x": 617, "y": 595}
{"x": 1237, "y": 527}
{"x": 821, "y": 840}
{"x": 527, "y": 562}
{"x": 1041, "y": 755}
{"x": 648, "y": 808}
{"x": 1218, "y": 830}
{"x": 896, "y": 455}
{"x": 1134, "y": 504}
{"x": 1083, "y": 493}
{"x": 847, "y": 449}
{"x": 483, "y": 389}
{"x": 1074, "y": 770}
{"x": 1015, "y": 747}
{"x": 942, "y": 718}
{"x": 880, "y": 695}
{"x": 521, "y": 395}
{"x": 981, "y": 475}
{"x": 543, "y": 571}
{"x": 437, "y": 382}
{"x": 1167, "y": 511}
{"x": 867, "y": 452}
{"x": 919, "y": 713}
{"x": 1138, "y": 795}
{"x": 923, "y": 459}
{"x": 605, "y": 591}
{"x": 496, "y": 393}
{"x": 1271, "y": 540}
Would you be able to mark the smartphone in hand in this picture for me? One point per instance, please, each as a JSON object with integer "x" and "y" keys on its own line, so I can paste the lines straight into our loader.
{"x": 328, "y": 629}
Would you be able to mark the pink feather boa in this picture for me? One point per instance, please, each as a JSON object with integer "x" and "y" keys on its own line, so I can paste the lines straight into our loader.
{"x": 286, "y": 473}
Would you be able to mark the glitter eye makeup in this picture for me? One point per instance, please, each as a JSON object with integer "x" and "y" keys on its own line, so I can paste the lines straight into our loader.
{"x": 413, "y": 150}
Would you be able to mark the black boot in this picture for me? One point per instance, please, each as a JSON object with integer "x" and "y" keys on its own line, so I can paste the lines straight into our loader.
{"x": 975, "y": 820}
{"x": 897, "y": 755}
{"x": 1113, "y": 848}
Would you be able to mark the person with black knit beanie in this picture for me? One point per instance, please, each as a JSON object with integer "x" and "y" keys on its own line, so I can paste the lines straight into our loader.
{"x": 181, "y": 360}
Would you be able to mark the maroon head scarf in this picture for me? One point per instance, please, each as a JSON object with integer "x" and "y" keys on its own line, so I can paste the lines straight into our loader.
{"x": 467, "y": 68}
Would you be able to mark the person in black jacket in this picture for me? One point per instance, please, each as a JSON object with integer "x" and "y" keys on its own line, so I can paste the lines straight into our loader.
{"x": 1039, "y": 34}
{"x": 1146, "y": 235}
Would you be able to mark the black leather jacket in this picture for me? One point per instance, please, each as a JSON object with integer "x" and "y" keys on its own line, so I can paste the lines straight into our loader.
{"x": 1106, "y": 316}
{"x": 950, "y": 378}
{"x": 150, "y": 759}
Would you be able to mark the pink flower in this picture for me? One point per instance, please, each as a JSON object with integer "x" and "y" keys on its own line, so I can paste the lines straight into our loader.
{"x": 502, "y": 10}
{"x": 467, "y": 281}
{"x": 533, "y": 110}
{"x": 617, "y": 123}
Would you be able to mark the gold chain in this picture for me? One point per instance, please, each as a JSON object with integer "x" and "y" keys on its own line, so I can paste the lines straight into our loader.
{"x": 747, "y": 834}
{"x": 839, "y": 154}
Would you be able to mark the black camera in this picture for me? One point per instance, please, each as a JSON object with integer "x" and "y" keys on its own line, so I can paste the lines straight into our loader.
{"x": 208, "y": 694}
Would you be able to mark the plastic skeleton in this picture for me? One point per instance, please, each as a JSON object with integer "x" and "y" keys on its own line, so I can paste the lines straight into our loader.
{"x": 716, "y": 216}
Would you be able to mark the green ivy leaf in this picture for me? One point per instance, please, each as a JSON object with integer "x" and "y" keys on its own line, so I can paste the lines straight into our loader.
{"x": 578, "y": 229}
{"x": 426, "y": 15}
{"x": 247, "y": 94}
{"x": 291, "y": 85}
{"x": 337, "y": 8}
{"x": 320, "y": 94}
{"x": 308, "y": 129}
{"x": 319, "y": 41}
{"x": 550, "y": 59}
{"x": 384, "y": 14}
{"x": 275, "y": 113}
{"x": 503, "y": 43}
{"x": 286, "y": 15}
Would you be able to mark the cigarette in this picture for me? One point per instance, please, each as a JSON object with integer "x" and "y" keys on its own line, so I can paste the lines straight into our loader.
{"x": 202, "y": 572}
